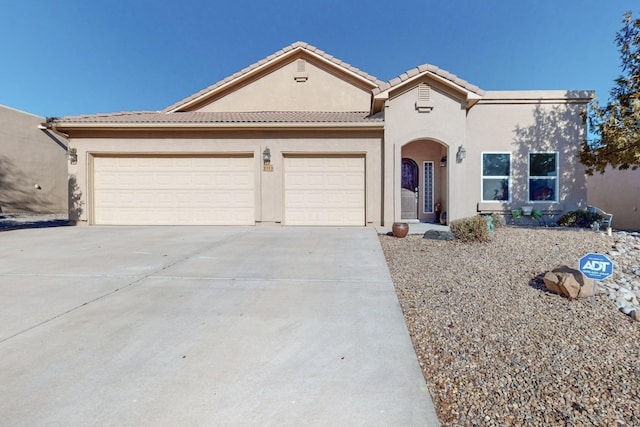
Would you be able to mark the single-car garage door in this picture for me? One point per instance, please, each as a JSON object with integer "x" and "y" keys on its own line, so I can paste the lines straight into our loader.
{"x": 324, "y": 190}
{"x": 174, "y": 190}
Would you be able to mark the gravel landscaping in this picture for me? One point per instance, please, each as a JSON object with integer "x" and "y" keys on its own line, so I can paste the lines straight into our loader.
{"x": 496, "y": 348}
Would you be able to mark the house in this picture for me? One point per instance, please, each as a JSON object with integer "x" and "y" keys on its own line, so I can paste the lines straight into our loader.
{"x": 302, "y": 138}
{"x": 617, "y": 192}
{"x": 33, "y": 165}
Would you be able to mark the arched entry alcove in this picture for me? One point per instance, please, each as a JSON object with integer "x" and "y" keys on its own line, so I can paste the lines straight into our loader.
{"x": 423, "y": 186}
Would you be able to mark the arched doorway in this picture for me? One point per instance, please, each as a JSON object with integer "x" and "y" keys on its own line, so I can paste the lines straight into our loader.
{"x": 409, "y": 189}
{"x": 423, "y": 181}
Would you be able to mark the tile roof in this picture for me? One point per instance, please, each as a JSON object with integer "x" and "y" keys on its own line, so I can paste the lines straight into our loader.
{"x": 427, "y": 68}
{"x": 151, "y": 117}
{"x": 274, "y": 56}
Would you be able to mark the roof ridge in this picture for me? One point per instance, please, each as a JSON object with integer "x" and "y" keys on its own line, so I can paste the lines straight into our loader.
{"x": 296, "y": 45}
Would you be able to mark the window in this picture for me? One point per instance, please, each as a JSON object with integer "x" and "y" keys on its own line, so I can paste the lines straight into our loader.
{"x": 543, "y": 177}
{"x": 496, "y": 177}
{"x": 428, "y": 187}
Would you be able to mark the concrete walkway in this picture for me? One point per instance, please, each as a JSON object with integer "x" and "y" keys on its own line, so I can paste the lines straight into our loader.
{"x": 228, "y": 326}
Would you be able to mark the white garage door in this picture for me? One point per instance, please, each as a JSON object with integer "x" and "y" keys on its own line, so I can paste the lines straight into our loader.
{"x": 177, "y": 190}
{"x": 324, "y": 191}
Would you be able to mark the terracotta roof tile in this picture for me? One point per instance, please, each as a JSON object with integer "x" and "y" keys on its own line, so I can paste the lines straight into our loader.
{"x": 150, "y": 117}
{"x": 428, "y": 68}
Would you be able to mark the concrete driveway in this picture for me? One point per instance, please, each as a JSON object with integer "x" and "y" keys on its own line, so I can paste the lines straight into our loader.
{"x": 229, "y": 326}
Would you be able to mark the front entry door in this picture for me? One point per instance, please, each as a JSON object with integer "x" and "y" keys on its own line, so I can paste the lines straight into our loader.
{"x": 409, "y": 189}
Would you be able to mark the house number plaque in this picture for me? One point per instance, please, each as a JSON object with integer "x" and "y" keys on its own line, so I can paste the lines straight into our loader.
{"x": 267, "y": 168}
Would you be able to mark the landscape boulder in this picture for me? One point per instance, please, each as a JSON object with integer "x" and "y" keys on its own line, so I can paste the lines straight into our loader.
{"x": 569, "y": 282}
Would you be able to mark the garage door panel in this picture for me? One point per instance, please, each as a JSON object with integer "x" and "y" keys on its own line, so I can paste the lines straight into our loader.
{"x": 324, "y": 191}
{"x": 174, "y": 190}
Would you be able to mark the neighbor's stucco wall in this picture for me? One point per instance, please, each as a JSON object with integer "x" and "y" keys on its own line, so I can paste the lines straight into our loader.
{"x": 279, "y": 91}
{"x": 520, "y": 123}
{"x": 445, "y": 124}
{"x": 31, "y": 158}
{"x": 617, "y": 192}
{"x": 268, "y": 185}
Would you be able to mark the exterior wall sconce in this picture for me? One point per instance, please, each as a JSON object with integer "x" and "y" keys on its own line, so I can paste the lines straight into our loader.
{"x": 443, "y": 161}
{"x": 461, "y": 154}
{"x": 266, "y": 156}
{"x": 72, "y": 155}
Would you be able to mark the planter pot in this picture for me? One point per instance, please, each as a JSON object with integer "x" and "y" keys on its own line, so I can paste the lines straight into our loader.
{"x": 400, "y": 229}
{"x": 526, "y": 210}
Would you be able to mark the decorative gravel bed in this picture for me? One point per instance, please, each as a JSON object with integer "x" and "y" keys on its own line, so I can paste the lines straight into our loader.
{"x": 496, "y": 348}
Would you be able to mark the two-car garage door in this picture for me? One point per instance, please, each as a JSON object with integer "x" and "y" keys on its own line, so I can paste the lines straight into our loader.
{"x": 174, "y": 190}
{"x": 220, "y": 190}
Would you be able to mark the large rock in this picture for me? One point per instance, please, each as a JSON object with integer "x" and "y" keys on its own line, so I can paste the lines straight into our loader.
{"x": 569, "y": 282}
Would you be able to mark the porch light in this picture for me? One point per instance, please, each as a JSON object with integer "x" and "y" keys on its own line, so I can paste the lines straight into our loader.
{"x": 72, "y": 155}
{"x": 443, "y": 161}
{"x": 266, "y": 156}
{"x": 461, "y": 154}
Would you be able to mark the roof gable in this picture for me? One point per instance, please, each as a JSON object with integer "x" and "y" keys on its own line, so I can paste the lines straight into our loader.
{"x": 471, "y": 93}
{"x": 265, "y": 68}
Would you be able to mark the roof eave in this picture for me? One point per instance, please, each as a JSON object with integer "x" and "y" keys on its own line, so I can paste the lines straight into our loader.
{"x": 66, "y": 127}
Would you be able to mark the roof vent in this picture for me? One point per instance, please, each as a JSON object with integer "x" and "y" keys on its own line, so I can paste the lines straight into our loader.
{"x": 301, "y": 75}
{"x": 424, "y": 104}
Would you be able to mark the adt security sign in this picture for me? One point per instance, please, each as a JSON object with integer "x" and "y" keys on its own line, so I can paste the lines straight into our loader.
{"x": 596, "y": 266}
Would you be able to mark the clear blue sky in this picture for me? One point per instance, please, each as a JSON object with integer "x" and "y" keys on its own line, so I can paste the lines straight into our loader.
{"x": 69, "y": 57}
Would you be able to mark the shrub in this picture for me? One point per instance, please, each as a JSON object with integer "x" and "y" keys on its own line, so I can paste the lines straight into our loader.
{"x": 498, "y": 220}
{"x": 471, "y": 229}
{"x": 578, "y": 218}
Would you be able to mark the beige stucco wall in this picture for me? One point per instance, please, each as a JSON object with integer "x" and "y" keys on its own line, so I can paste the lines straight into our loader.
{"x": 520, "y": 123}
{"x": 445, "y": 124}
{"x": 277, "y": 90}
{"x": 269, "y": 185}
{"x": 31, "y": 158}
{"x": 617, "y": 192}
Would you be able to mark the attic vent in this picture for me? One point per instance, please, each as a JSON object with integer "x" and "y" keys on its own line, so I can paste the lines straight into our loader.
{"x": 301, "y": 74}
{"x": 424, "y": 104}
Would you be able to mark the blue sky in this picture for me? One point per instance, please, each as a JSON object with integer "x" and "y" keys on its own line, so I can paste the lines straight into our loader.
{"x": 71, "y": 57}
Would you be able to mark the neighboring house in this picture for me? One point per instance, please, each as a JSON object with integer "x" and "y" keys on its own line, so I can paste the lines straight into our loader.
{"x": 617, "y": 192}
{"x": 302, "y": 138}
{"x": 33, "y": 165}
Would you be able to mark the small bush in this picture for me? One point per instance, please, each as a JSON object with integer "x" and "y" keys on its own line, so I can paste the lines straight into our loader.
{"x": 471, "y": 229}
{"x": 578, "y": 218}
{"x": 498, "y": 220}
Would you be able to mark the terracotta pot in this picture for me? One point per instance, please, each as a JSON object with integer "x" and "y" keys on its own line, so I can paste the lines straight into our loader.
{"x": 400, "y": 229}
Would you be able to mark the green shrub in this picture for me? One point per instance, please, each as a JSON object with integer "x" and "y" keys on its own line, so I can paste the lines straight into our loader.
{"x": 578, "y": 218}
{"x": 471, "y": 229}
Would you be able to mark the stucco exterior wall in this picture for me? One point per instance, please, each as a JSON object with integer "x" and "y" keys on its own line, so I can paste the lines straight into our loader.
{"x": 269, "y": 185}
{"x": 617, "y": 192}
{"x": 33, "y": 165}
{"x": 445, "y": 124}
{"x": 280, "y": 91}
{"x": 520, "y": 123}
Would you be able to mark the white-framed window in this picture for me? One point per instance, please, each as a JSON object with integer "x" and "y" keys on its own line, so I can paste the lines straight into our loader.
{"x": 428, "y": 187}
{"x": 543, "y": 177}
{"x": 496, "y": 177}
